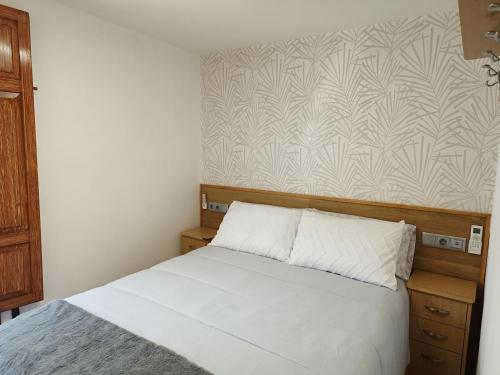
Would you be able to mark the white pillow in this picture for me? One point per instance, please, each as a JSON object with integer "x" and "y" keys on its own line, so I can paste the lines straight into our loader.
{"x": 406, "y": 252}
{"x": 259, "y": 229}
{"x": 360, "y": 249}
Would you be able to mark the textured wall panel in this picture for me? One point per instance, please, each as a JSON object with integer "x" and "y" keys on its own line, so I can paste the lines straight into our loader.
{"x": 389, "y": 112}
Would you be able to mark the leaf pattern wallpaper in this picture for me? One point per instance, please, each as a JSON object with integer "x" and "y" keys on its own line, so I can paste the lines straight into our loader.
{"x": 389, "y": 112}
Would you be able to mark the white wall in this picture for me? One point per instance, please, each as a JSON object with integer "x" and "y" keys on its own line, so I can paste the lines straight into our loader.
{"x": 489, "y": 349}
{"x": 118, "y": 130}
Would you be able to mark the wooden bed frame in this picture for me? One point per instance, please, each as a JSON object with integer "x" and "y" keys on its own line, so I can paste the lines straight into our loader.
{"x": 434, "y": 220}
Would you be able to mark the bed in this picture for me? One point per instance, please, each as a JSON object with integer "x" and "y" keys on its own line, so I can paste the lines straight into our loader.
{"x": 267, "y": 296}
{"x": 237, "y": 313}
{"x": 217, "y": 310}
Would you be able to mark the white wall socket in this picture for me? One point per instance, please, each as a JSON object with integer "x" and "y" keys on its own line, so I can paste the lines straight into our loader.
{"x": 218, "y": 207}
{"x": 443, "y": 242}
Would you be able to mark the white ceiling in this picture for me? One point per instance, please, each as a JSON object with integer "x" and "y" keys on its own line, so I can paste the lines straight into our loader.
{"x": 209, "y": 25}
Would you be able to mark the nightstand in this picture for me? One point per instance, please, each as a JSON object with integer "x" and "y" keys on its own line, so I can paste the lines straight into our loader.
{"x": 195, "y": 238}
{"x": 441, "y": 308}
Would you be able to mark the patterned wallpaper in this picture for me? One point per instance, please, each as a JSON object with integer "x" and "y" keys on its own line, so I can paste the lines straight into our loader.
{"x": 389, "y": 112}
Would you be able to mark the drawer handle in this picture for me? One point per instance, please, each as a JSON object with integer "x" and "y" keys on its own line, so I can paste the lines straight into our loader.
{"x": 435, "y": 336}
{"x": 436, "y": 361}
{"x": 435, "y": 310}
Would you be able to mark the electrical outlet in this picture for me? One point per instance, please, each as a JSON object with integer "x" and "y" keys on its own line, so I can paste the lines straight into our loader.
{"x": 443, "y": 242}
{"x": 218, "y": 207}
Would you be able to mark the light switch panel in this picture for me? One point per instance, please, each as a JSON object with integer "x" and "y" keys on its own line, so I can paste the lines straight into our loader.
{"x": 443, "y": 242}
{"x": 218, "y": 207}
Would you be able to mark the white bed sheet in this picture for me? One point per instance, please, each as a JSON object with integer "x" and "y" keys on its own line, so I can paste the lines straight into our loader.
{"x": 237, "y": 313}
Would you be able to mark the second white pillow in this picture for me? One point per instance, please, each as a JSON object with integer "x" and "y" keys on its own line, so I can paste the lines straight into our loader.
{"x": 360, "y": 249}
{"x": 406, "y": 252}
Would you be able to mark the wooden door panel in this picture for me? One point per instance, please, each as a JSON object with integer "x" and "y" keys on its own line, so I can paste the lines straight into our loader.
{"x": 12, "y": 167}
{"x": 9, "y": 49}
{"x": 15, "y": 270}
{"x": 21, "y": 280}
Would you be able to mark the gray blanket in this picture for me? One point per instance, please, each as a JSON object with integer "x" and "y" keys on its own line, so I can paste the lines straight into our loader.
{"x": 60, "y": 338}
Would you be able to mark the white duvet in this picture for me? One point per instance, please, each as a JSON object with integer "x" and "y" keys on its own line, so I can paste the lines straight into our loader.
{"x": 238, "y": 313}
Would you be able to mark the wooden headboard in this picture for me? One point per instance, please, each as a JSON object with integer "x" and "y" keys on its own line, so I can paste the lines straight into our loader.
{"x": 433, "y": 220}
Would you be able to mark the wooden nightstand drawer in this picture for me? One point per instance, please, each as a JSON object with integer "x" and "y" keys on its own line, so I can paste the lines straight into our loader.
{"x": 195, "y": 238}
{"x": 439, "y": 309}
{"x": 434, "y": 361}
{"x": 190, "y": 244}
{"x": 437, "y": 334}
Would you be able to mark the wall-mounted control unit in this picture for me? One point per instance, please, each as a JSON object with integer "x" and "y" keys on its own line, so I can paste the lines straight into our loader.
{"x": 204, "y": 201}
{"x": 218, "y": 207}
{"x": 443, "y": 242}
{"x": 476, "y": 239}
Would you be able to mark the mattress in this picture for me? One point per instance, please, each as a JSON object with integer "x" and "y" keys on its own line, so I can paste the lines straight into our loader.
{"x": 237, "y": 313}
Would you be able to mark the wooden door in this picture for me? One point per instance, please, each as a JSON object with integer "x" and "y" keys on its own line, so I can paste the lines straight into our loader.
{"x": 20, "y": 249}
